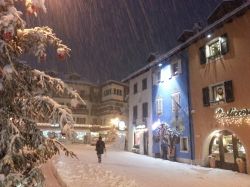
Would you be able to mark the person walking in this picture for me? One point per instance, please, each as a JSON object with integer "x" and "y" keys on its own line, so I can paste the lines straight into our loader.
{"x": 100, "y": 148}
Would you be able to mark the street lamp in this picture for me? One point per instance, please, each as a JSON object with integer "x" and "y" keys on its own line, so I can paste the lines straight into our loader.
{"x": 115, "y": 121}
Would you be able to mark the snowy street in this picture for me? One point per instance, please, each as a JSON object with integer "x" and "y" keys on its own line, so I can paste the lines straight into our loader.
{"x": 120, "y": 168}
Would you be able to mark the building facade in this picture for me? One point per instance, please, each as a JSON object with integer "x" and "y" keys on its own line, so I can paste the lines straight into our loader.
{"x": 140, "y": 112}
{"x": 106, "y": 107}
{"x": 219, "y": 69}
{"x": 170, "y": 101}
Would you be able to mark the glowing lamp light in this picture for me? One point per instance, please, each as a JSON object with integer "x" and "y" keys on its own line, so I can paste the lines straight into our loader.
{"x": 156, "y": 124}
{"x": 209, "y": 36}
{"x": 159, "y": 65}
{"x": 115, "y": 121}
{"x": 217, "y": 134}
{"x": 121, "y": 125}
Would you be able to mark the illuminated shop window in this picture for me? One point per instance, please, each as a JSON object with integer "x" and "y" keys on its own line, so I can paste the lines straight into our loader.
{"x": 241, "y": 150}
{"x": 215, "y": 149}
{"x": 226, "y": 148}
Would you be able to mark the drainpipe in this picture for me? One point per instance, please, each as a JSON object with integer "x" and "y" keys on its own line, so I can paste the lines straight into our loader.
{"x": 191, "y": 128}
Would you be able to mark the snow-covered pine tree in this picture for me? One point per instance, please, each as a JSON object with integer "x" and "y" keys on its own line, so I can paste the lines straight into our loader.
{"x": 25, "y": 98}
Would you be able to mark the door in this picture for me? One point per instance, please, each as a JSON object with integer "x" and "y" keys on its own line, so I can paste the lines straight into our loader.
{"x": 226, "y": 148}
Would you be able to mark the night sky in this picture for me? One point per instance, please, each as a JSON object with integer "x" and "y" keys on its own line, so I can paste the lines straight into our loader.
{"x": 112, "y": 38}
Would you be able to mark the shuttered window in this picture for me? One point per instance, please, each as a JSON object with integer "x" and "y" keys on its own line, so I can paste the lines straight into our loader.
{"x": 205, "y": 92}
{"x": 203, "y": 58}
{"x": 224, "y": 44}
{"x": 214, "y": 49}
{"x": 214, "y": 94}
{"x": 229, "y": 91}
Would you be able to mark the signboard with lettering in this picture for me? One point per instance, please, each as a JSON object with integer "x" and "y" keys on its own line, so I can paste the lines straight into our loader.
{"x": 233, "y": 116}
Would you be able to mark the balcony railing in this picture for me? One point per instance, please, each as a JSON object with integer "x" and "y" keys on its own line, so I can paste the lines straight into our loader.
{"x": 80, "y": 111}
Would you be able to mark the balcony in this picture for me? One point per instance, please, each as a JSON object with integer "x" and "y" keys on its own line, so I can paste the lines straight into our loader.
{"x": 80, "y": 111}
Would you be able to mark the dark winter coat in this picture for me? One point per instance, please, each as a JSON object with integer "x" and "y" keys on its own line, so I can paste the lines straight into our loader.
{"x": 100, "y": 146}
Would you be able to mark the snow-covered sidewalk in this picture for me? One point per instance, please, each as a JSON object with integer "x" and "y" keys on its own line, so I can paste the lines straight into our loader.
{"x": 125, "y": 169}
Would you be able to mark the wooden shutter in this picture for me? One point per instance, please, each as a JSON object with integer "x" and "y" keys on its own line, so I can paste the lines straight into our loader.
{"x": 224, "y": 44}
{"x": 205, "y": 92}
{"x": 229, "y": 91}
{"x": 203, "y": 55}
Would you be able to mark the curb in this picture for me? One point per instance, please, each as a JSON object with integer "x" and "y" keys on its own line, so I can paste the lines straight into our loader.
{"x": 57, "y": 176}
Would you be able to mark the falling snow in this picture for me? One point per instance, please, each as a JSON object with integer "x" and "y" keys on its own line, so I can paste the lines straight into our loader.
{"x": 112, "y": 38}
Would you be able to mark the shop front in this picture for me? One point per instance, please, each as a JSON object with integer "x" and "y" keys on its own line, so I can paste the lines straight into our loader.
{"x": 226, "y": 151}
{"x": 141, "y": 140}
{"x": 227, "y": 145}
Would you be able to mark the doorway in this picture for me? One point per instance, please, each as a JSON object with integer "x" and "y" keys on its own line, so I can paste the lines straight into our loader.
{"x": 225, "y": 147}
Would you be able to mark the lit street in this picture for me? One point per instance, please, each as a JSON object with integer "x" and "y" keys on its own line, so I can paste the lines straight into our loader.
{"x": 127, "y": 169}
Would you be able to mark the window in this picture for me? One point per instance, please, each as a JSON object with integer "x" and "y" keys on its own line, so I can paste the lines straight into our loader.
{"x": 94, "y": 121}
{"x": 135, "y": 88}
{"x": 176, "y": 68}
{"x": 214, "y": 49}
{"x": 157, "y": 77}
{"x": 159, "y": 106}
{"x": 80, "y": 120}
{"x": 144, "y": 84}
{"x": 145, "y": 110}
{"x": 120, "y": 92}
{"x": 134, "y": 114}
{"x": 82, "y": 93}
{"x": 107, "y": 92}
{"x": 184, "y": 144}
{"x": 175, "y": 102}
{"x": 218, "y": 93}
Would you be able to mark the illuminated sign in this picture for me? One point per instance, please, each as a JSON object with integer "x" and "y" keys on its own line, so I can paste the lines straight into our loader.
{"x": 140, "y": 127}
{"x": 232, "y": 112}
{"x": 232, "y": 116}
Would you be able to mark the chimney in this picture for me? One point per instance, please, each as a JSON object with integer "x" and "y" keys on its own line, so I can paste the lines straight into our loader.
{"x": 197, "y": 27}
